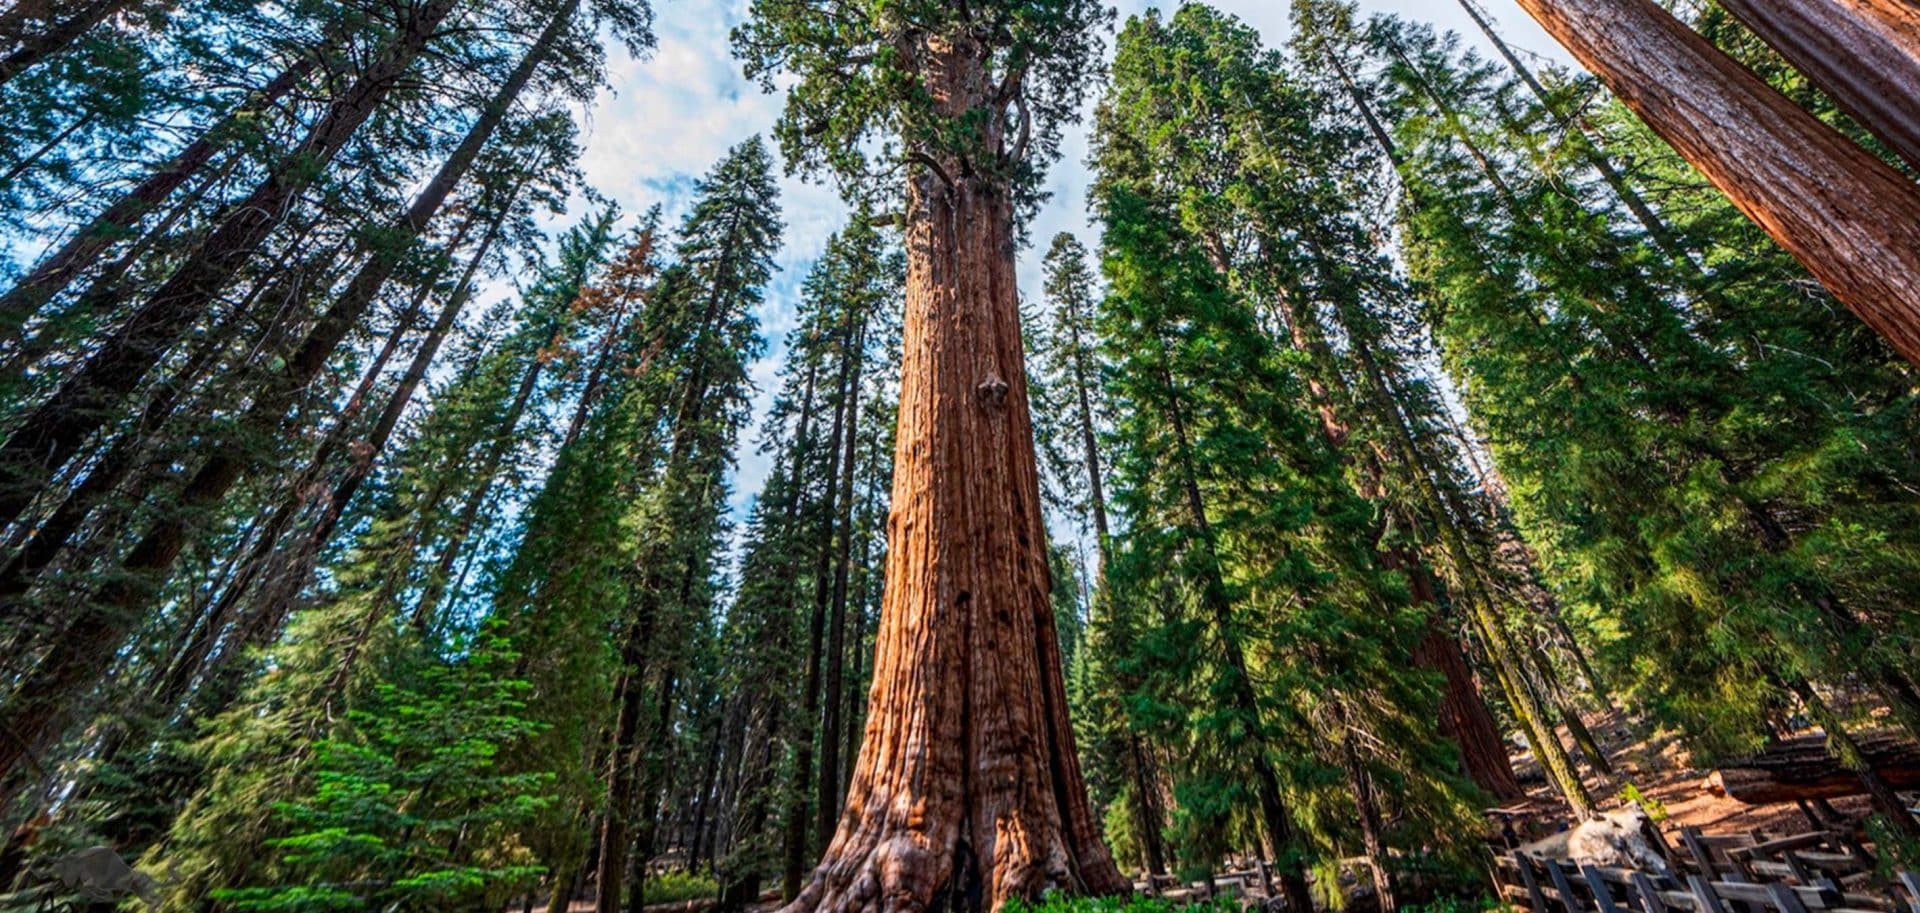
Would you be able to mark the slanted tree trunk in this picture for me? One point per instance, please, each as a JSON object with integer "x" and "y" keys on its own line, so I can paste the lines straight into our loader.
{"x": 58, "y": 35}
{"x": 1657, "y": 229}
{"x": 56, "y": 270}
{"x": 285, "y": 566}
{"x": 1851, "y": 219}
{"x": 1464, "y": 718}
{"x": 1372, "y": 828}
{"x": 1865, "y": 54}
{"x": 1846, "y": 750}
{"x": 54, "y": 432}
{"x": 74, "y": 663}
{"x": 967, "y": 792}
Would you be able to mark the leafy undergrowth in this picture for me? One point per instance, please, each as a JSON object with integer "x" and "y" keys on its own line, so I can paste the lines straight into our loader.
{"x": 673, "y": 887}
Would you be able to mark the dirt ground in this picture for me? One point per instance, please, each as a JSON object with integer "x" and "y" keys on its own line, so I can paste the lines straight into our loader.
{"x": 1662, "y": 770}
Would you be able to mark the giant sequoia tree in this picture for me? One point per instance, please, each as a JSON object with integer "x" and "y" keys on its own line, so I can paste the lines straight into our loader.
{"x": 967, "y": 791}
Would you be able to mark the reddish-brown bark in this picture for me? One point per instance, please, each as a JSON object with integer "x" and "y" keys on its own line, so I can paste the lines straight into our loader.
{"x": 1464, "y": 719}
{"x": 1850, "y": 218}
{"x": 1863, "y": 53}
{"x": 967, "y": 792}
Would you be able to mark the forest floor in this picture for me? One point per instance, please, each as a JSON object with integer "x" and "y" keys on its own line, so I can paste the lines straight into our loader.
{"x": 1662, "y": 769}
{"x": 1657, "y": 764}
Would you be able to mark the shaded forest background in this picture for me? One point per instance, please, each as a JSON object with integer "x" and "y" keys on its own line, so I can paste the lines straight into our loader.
{"x": 367, "y": 476}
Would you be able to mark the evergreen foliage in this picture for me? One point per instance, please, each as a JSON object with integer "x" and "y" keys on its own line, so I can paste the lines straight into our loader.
{"x": 366, "y": 543}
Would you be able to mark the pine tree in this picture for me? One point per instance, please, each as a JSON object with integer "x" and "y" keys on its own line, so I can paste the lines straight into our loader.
{"x": 706, "y": 304}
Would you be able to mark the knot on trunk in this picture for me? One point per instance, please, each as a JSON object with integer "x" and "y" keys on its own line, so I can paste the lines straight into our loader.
{"x": 992, "y": 392}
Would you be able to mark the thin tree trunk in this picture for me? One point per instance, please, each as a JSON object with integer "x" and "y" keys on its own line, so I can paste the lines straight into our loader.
{"x": 54, "y": 432}
{"x": 32, "y": 49}
{"x": 1147, "y": 820}
{"x": 193, "y": 660}
{"x": 967, "y": 792}
{"x": 659, "y": 757}
{"x": 1275, "y": 819}
{"x": 29, "y": 160}
{"x": 57, "y": 270}
{"x": 1371, "y": 826}
{"x": 1656, "y": 227}
{"x": 285, "y": 578}
{"x": 426, "y": 611}
{"x": 73, "y": 664}
{"x": 829, "y": 782}
{"x": 795, "y": 848}
{"x": 622, "y": 782}
{"x": 1850, "y": 218}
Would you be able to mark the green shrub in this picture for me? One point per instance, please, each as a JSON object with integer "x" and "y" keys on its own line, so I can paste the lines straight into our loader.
{"x": 673, "y": 887}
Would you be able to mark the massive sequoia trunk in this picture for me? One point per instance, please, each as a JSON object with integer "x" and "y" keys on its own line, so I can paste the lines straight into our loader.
{"x": 1863, "y": 53}
{"x": 967, "y": 791}
{"x": 1850, "y": 218}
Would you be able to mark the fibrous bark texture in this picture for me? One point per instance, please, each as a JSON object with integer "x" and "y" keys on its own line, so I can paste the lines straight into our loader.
{"x": 1863, "y": 53}
{"x": 1849, "y": 217}
{"x": 967, "y": 792}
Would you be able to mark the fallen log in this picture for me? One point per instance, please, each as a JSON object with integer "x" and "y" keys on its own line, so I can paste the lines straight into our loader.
{"x": 1801, "y": 769}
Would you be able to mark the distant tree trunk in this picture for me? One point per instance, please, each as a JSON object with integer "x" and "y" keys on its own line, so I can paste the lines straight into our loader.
{"x": 1464, "y": 719}
{"x": 54, "y": 431}
{"x": 74, "y": 662}
{"x": 828, "y": 796}
{"x": 1372, "y": 828}
{"x": 1276, "y": 821}
{"x": 264, "y": 558}
{"x": 1850, "y": 218}
{"x": 646, "y": 842}
{"x": 1508, "y": 668}
{"x": 622, "y": 780}
{"x": 426, "y": 612}
{"x": 967, "y": 792}
{"x": 1147, "y": 819}
{"x": 32, "y": 49}
{"x": 1865, "y": 54}
{"x": 810, "y": 728}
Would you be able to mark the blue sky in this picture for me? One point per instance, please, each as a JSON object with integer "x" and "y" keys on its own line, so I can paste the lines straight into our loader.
{"x": 671, "y": 115}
